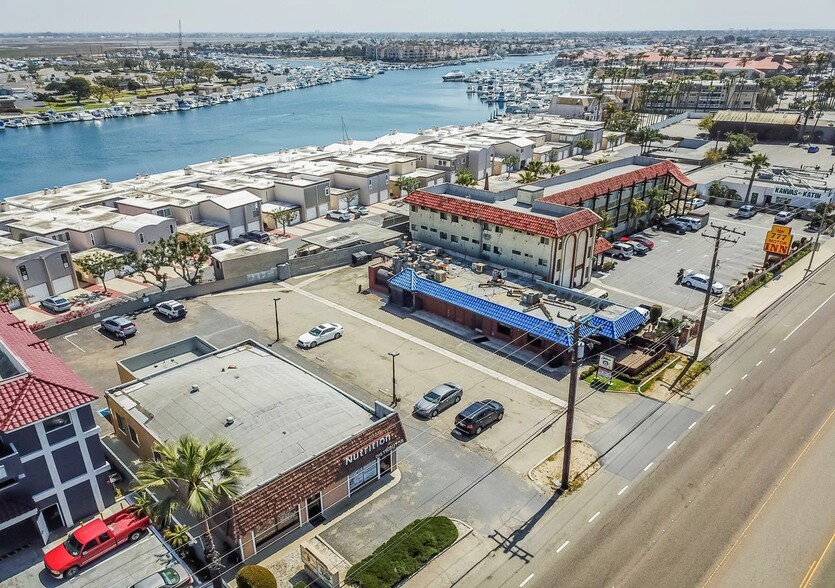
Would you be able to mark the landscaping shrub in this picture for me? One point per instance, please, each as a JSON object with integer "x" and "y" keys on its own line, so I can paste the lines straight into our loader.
{"x": 750, "y": 288}
{"x": 647, "y": 371}
{"x": 587, "y": 372}
{"x": 404, "y": 554}
{"x": 255, "y": 577}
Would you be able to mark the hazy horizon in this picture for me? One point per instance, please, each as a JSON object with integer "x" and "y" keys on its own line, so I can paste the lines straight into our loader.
{"x": 431, "y": 16}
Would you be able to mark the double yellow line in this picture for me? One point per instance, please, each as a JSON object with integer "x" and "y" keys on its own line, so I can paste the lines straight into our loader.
{"x": 807, "y": 579}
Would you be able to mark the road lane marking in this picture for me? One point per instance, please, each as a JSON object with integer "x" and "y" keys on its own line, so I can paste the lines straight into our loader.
{"x": 729, "y": 391}
{"x": 622, "y": 490}
{"x": 561, "y": 547}
{"x": 807, "y": 579}
{"x": 758, "y": 363}
{"x": 649, "y": 465}
{"x": 777, "y": 486}
{"x": 597, "y": 514}
{"x": 712, "y": 406}
{"x": 67, "y": 339}
{"x": 773, "y": 350}
{"x": 808, "y": 317}
{"x": 670, "y": 446}
{"x": 693, "y": 425}
{"x": 525, "y": 581}
{"x": 745, "y": 376}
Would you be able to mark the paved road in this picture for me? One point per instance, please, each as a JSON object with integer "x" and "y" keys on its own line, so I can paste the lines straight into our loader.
{"x": 759, "y": 457}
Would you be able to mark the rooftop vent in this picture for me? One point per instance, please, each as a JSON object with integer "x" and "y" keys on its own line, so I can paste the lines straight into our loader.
{"x": 230, "y": 421}
{"x": 195, "y": 388}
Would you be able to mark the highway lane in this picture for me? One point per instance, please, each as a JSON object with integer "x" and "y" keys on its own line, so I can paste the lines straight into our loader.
{"x": 761, "y": 404}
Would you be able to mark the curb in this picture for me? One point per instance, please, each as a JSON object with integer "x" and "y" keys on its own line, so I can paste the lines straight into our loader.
{"x": 546, "y": 458}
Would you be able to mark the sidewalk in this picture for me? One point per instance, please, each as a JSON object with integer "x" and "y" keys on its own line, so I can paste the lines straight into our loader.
{"x": 740, "y": 318}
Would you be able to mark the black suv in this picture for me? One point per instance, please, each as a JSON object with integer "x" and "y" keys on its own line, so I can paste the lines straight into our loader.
{"x": 473, "y": 419}
{"x": 257, "y": 236}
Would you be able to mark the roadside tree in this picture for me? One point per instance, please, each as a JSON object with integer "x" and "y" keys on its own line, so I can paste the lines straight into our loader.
{"x": 283, "y": 217}
{"x": 79, "y": 88}
{"x": 98, "y": 264}
{"x": 510, "y": 162}
{"x": 585, "y": 145}
{"x": 407, "y": 184}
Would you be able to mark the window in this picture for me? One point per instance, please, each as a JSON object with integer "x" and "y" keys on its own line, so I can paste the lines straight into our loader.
{"x": 57, "y": 422}
{"x": 544, "y": 241}
{"x": 120, "y": 422}
{"x": 190, "y": 215}
{"x": 433, "y": 230}
{"x": 443, "y": 216}
{"x": 414, "y": 227}
{"x": 424, "y": 227}
{"x": 413, "y": 208}
{"x": 528, "y": 255}
{"x": 92, "y": 240}
{"x": 141, "y": 238}
{"x": 454, "y": 239}
{"x": 454, "y": 218}
{"x": 65, "y": 259}
{"x": 497, "y": 250}
{"x": 503, "y": 329}
{"x": 541, "y": 261}
{"x": 369, "y": 183}
{"x": 485, "y": 247}
{"x": 63, "y": 237}
{"x": 498, "y": 229}
{"x": 443, "y": 235}
{"x": 171, "y": 229}
{"x": 515, "y": 252}
{"x": 133, "y": 436}
{"x": 24, "y": 273}
{"x": 164, "y": 212}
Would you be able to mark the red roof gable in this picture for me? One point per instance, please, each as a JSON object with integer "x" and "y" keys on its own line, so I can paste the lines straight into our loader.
{"x": 47, "y": 387}
{"x": 578, "y": 195}
{"x": 521, "y": 221}
{"x": 601, "y": 245}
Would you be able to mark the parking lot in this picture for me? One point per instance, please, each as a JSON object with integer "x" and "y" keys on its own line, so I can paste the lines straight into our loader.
{"x": 121, "y": 568}
{"x": 651, "y": 279}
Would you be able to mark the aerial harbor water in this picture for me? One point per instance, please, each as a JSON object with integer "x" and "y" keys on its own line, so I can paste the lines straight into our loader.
{"x": 36, "y": 157}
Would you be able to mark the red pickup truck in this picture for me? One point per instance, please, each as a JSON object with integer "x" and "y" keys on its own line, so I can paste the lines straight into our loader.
{"x": 92, "y": 540}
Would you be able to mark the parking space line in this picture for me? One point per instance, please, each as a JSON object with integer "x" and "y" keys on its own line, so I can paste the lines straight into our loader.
{"x": 759, "y": 363}
{"x": 745, "y": 376}
{"x": 594, "y": 516}
{"x": 712, "y": 406}
{"x": 67, "y": 339}
{"x": 729, "y": 391}
{"x": 525, "y": 581}
{"x": 622, "y": 490}
{"x": 440, "y": 350}
{"x": 645, "y": 299}
{"x": 773, "y": 350}
{"x": 561, "y": 547}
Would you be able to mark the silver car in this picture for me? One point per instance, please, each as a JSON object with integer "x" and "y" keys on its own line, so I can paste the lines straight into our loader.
{"x": 120, "y": 326}
{"x": 437, "y": 399}
{"x": 174, "y": 576}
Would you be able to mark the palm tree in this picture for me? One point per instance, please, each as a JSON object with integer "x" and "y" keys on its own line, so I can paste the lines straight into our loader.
{"x": 636, "y": 208}
{"x": 535, "y": 167}
{"x": 464, "y": 177}
{"x": 527, "y": 177}
{"x": 657, "y": 198}
{"x": 551, "y": 169}
{"x": 196, "y": 476}
{"x": 756, "y": 162}
{"x": 510, "y": 162}
{"x": 605, "y": 223}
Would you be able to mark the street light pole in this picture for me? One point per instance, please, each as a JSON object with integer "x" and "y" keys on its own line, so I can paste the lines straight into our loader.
{"x": 818, "y": 236}
{"x": 277, "y": 331}
{"x": 394, "y": 398}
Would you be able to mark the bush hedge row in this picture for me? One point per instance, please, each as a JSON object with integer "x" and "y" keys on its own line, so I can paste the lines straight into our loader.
{"x": 404, "y": 554}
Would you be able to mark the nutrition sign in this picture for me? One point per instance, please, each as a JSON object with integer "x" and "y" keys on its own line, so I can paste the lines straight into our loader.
{"x": 778, "y": 240}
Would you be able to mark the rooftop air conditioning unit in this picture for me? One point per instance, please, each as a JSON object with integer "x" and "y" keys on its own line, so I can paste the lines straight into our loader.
{"x": 530, "y": 298}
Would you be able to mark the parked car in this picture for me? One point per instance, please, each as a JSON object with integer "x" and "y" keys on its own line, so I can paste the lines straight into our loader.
{"x": 360, "y": 210}
{"x": 340, "y": 215}
{"x": 218, "y": 247}
{"x": 700, "y": 282}
{"x": 746, "y": 211}
{"x": 437, "y": 399}
{"x": 638, "y": 248}
{"x": 257, "y": 236}
{"x": 320, "y": 334}
{"x": 56, "y": 304}
{"x": 174, "y": 576}
{"x": 784, "y": 217}
{"x": 171, "y": 309}
{"x": 473, "y": 419}
{"x": 697, "y": 203}
{"x": 120, "y": 326}
{"x": 692, "y": 224}
{"x": 236, "y": 241}
{"x": 94, "y": 539}
{"x": 643, "y": 240}
{"x": 621, "y": 250}
{"x": 813, "y": 149}
{"x": 673, "y": 226}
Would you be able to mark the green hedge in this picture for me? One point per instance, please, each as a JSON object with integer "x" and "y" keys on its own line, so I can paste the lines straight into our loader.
{"x": 255, "y": 577}
{"x": 749, "y": 289}
{"x": 646, "y": 372}
{"x": 404, "y": 554}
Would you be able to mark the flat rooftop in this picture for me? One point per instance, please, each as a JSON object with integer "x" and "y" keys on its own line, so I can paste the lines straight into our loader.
{"x": 282, "y": 414}
{"x": 353, "y": 234}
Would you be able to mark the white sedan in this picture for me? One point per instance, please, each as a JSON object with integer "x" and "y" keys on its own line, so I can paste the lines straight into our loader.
{"x": 700, "y": 282}
{"x": 322, "y": 333}
{"x": 697, "y": 203}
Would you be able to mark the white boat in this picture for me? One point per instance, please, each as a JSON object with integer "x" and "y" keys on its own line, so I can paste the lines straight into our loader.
{"x": 454, "y": 76}
{"x": 84, "y": 115}
{"x": 2, "y": 125}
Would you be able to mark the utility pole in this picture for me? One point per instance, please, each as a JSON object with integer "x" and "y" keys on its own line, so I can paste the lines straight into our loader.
{"x": 718, "y": 239}
{"x": 572, "y": 396}
{"x": 818, "y": 236}
{"x": 277, "y": 331}
{"x": 394, "y": 398}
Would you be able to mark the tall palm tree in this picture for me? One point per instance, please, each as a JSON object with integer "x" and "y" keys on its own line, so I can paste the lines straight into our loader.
{"x": 196, "y": 476}
{"x": 657, "y": 199}
{"x": 464, "y": 177}
{"x": 535, "y": 167}
{"x": 637, "y": 208}
{"x": 756, "y": 162}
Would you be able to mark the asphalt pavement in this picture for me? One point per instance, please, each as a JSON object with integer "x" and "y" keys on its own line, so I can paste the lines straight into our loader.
{"x": 742, "y": 498}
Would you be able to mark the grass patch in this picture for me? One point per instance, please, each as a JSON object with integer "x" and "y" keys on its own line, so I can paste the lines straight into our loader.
{"x": 404, "y": 554}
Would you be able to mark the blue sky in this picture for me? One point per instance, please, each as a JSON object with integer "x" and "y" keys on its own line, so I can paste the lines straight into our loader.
{"x": 403, "y": 15}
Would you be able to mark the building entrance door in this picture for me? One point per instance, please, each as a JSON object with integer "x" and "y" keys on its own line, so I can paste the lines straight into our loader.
{"x": 314, "y": 507}
{"x": 52, "y": 517}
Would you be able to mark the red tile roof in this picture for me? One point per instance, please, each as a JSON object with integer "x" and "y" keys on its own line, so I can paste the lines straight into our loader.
{"x": 521, "y": 221}
{"x": 601, "y": 245}
{"x": 47, "y": 387}
{"x": 576, "y": 196}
